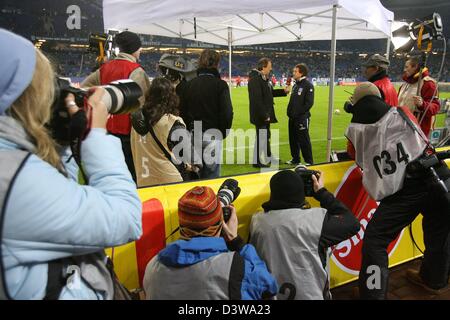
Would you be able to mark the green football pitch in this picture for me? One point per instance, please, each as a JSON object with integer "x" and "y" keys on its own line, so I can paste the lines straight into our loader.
{"x": 318, "y": 128}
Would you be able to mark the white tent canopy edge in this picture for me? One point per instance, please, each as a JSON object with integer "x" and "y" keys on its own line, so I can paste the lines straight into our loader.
{"x": 249, "y": 22}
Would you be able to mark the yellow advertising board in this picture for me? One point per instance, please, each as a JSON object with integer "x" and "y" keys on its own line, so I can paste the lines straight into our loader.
{"x": 343, "y": 179}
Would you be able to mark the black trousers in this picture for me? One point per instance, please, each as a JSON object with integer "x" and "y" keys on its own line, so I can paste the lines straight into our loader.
{"x": 299, "y": 140}
{"x": 396, "y": 212}
{"x": 126, "y": 149}
{"x": 262, "y": 152}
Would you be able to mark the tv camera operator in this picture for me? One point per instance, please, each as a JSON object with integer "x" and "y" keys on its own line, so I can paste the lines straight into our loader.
{"x": 124, "y": 66}
{"x": 155, "y": 135}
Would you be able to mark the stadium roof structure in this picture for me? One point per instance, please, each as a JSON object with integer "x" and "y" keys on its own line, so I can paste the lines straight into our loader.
{"x": 249, "y": 22}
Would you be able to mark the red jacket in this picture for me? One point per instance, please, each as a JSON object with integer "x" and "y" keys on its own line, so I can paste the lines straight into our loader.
{"x": 117, "y": 70}
{"x": 387, "y": 90}
{"x": 431, "y": 104}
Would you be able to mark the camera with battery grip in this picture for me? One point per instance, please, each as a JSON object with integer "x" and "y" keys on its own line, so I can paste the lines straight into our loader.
{"x": 120, "y": 97}
{"x": 306, "y": 176}
{"x": 435, "y": 167}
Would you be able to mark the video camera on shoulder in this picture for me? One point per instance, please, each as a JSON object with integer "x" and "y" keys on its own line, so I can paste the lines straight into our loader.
{"x": 175, "y": 67}
{"x": 306, "y": 176}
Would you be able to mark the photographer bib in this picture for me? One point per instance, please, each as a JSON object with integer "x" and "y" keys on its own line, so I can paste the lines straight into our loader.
{"x": 383, "y": 150}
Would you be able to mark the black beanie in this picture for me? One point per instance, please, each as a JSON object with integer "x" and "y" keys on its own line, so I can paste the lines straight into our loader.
{"x": 286, "y": 191}
{"x": 369, "y": 109}
{"x": 128, "y": 42}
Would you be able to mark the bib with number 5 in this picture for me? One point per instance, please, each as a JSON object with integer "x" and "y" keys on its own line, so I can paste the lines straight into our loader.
{"x": 383, "y": 150}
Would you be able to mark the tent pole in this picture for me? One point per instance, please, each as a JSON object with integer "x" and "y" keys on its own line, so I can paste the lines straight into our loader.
{"x": 230, "y": 35}
{"x": 332, "y": 72}
{"x": 388, "y": 44}
{"x": 388, "y": 47}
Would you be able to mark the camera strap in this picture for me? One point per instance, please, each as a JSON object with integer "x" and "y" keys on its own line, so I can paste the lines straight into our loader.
{"x": 166, "y": 153}
{"x": 75, "y": 142}
{"x": 414, "y": 127}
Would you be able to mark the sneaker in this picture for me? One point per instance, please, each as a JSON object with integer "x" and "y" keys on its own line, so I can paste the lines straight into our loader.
{"x": 414, "y": 277}
{"x": 292, "y": 162}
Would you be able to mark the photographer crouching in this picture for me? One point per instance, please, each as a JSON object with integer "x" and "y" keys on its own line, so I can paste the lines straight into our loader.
{"x": 53, "y": 230}
{"x": 295, "y": 239}
{"x": 404, "y": 173}
{"x": 210, "y": 261}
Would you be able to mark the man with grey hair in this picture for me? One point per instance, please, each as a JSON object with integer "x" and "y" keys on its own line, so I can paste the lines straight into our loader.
{"x": 375, "y": 71}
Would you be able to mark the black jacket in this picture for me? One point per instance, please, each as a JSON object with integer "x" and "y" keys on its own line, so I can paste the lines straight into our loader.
{"x": 206, "y": 98}
{"x": 338, "y": 225}
{"x": 261, "y": 93}
{"x": 301, "y": 101}
{"x": 369, "y": 109}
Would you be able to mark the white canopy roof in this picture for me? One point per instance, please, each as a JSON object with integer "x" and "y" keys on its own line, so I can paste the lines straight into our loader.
{"x": 252, "y": 21}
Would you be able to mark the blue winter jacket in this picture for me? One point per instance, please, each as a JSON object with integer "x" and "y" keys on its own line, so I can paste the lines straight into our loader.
{"x": 49, "y": 216}
{"x": 256, "y": 281}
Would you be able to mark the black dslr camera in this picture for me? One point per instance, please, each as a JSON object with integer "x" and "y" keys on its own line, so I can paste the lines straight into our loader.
{"x": 440, "y": 174}
{"x": 120, "y": 97}
{"x": 228, "y": 192}
{"x": 306, "y": 176}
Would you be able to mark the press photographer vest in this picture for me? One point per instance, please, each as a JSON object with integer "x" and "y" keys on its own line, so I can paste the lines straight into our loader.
{"x": 383, "y": 150}
{"x": 288, "y": 242}
{"x": 216, "y": 278}
{"x": 117, "y": 70}
{"x": 408, "y": 90}
{"x": 152, "y": 166}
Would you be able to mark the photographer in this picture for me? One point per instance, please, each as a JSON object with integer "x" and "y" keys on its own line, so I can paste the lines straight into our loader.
{"x": 124, "y": 66}
{"x": 153, "y": 156}
{"x": 294, "y": 240}
{"x": 210, "y": 261}
{"x": 393, "y": 153}
{"x": 54, "y": 230}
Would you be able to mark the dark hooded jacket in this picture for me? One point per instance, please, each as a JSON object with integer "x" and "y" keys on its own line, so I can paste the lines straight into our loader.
{"x": 206, "y": 98}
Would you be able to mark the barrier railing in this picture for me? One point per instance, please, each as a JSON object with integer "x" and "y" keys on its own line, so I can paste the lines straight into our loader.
{"x": 343, "y": 179}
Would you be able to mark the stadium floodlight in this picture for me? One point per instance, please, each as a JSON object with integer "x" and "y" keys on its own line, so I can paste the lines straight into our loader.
{"x": 405, "y": 35}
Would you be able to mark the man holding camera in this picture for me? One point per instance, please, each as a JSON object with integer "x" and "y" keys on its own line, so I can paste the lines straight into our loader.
{"x": 404, "y": 173}
{"x": 124, "y": 66}
{"x": 294, "y": 239}
{"x": 210, "y": 262}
